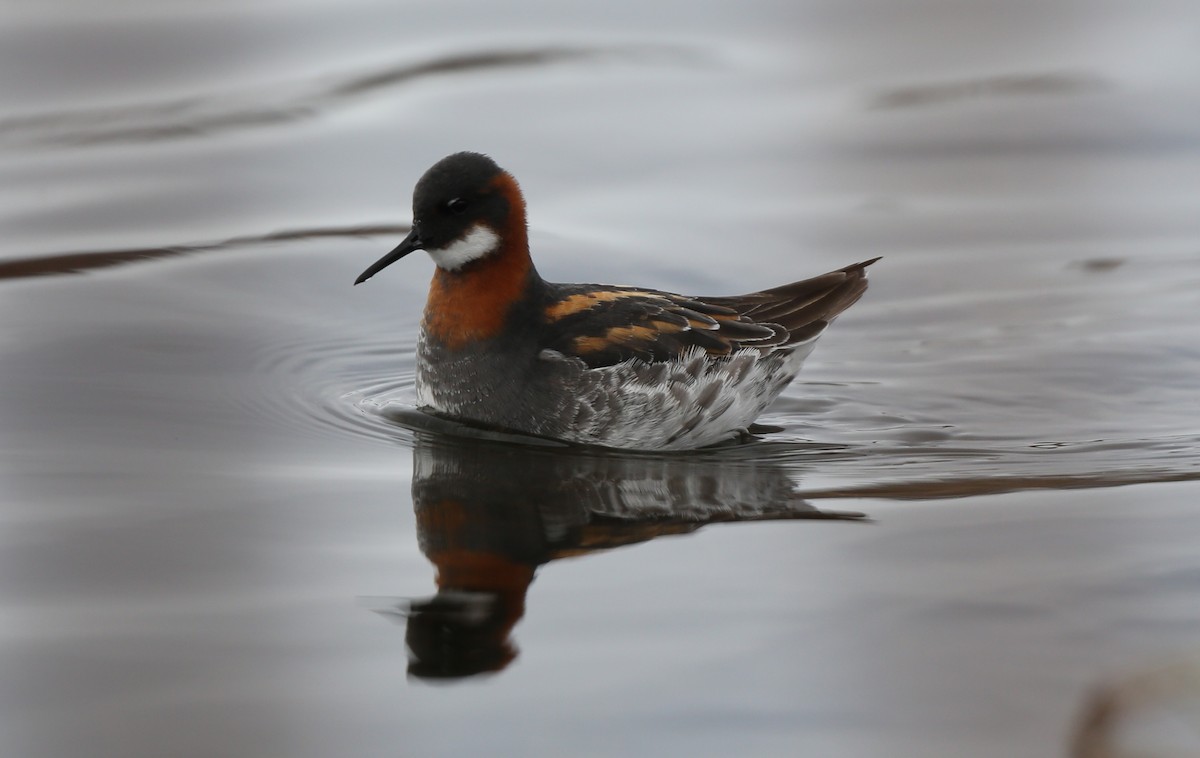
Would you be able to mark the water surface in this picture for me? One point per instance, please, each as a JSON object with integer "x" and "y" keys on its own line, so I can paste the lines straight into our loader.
{"x": 212, "y": 524}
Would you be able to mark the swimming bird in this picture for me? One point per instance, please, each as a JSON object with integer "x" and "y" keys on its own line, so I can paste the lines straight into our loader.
{"x": 592, "y": 364}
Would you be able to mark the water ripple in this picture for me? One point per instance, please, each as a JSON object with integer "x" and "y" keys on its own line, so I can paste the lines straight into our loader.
{"x": 76, "y": 262}
{"x": 335, "y": 386}
{"x": 1014, "y": 85}
{"x": 288, "y": 102}
{"x": 366, "y": 390}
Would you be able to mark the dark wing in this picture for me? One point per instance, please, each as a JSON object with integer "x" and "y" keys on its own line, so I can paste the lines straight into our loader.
{"x": 604, "y": 325}
{"x": 803, "y": 308}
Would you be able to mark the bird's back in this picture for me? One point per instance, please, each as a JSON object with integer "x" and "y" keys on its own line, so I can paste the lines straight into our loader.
{"x": 655, "y": 370}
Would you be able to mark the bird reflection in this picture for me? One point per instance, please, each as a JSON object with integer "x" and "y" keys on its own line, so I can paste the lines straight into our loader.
{"x": 489, "y": 514}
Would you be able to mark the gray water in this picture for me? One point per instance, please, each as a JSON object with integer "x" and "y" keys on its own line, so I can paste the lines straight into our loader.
{"x": 220, "y": 534}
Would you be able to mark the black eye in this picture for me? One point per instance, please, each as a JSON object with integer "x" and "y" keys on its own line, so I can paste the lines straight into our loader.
{"x": 456, "y": 206}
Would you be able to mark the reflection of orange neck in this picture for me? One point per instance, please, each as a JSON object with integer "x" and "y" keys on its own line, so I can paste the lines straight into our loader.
{"x": 486, "y": 572}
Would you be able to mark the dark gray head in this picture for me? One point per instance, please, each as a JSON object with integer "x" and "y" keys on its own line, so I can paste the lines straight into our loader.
{"x": 465, "y": 208}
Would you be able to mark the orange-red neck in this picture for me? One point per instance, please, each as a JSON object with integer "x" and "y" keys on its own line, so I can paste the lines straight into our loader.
{"x": 473, "y": 302}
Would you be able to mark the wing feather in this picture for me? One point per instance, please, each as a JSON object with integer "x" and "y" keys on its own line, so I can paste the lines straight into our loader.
{"x": 604, "y": 325}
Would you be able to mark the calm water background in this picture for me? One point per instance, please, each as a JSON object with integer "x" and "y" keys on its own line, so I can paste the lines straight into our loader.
{"x": 203, "y": 495}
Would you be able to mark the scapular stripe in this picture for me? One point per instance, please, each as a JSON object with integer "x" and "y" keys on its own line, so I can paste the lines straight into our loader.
{"x": 585, "y": 301}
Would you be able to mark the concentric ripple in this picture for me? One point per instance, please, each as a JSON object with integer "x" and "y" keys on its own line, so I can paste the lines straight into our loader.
{"x": 319, "y": 386}
{"x": 838, "y": 440}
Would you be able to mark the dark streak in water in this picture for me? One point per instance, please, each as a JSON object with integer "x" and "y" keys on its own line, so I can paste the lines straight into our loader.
{"x": 999, "y": 485}
{"x": 278, "y": 104}
{"x": 80, "y": 261}
{"x": 1016, "y": 85}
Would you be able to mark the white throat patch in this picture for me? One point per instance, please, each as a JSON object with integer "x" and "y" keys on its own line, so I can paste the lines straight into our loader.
{"x": 472, "y": 246}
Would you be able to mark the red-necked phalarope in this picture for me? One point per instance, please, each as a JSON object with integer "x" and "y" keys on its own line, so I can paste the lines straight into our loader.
{"x": 594, "y": 364}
